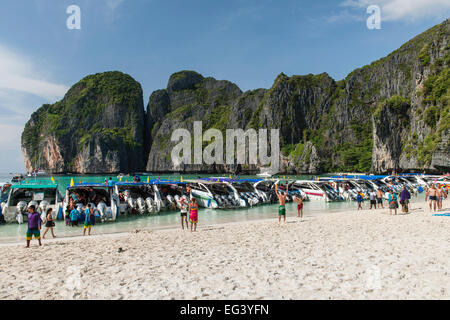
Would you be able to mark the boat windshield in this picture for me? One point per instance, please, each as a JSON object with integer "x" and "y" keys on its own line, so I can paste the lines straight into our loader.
{"x": 87, "y": 195}
{"x": 136, "y": 191}
{"x": 220, "y": 189}
{"x": 243, "y": 187}
{"x": 23, "y": 194}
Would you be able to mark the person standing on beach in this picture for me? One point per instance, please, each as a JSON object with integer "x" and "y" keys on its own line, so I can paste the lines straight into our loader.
{"x": 439, "y": 196}
{"x": 193, "y": 213}
{"x": 360, "y": 199}
{"x": 432, "y": 196}
{"x": 380, "y": 199}
{"x": 183, "y": 212}
{"x": 49, "y": 224}
{"x": 393, "y": 204}
{"x": 404, "y": 199}
{"x": 74, "y": 217}
{"x": 282, "y": 199}
{"x": 67, "y": 214}
{"x": 299, "y": 201}
{"x": 88, "y": 220}
{"x": 34, "y": 225}
{"x": 373, "y": 199}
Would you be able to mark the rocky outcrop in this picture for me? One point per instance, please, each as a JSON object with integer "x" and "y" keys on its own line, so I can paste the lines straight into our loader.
{"x": 97, "y": 128}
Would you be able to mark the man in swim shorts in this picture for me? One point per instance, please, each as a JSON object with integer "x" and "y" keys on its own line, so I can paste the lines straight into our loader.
{"x": 34, "y": 225}
{"x": 373, "y": 197}
{"x": 282, "y": 199}
{"x": 432, "y": 197}
{"x": 299, "y": 201}
{"x": 380, "y": 199}
{"x": 439, "y": 196}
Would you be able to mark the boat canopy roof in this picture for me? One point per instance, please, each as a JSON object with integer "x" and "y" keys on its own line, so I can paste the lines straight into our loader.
{"x": 30, "y": 185}
{"x": 88, "y": 185}
{"x": 219, "y": 179}
{"x": 151, "y": 182}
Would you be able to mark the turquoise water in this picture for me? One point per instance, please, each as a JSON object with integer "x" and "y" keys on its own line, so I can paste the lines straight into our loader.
{"x": 14, "y": 232}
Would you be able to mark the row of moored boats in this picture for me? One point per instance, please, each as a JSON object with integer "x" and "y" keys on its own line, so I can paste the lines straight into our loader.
{"x": 154, "y": 196}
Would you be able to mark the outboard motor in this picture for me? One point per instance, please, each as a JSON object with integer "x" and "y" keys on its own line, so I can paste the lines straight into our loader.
{"x": 150, "y": 204}
{"x": 21, "y": 210}
{"x": 44, "y": 205}
{"x": 131, "y": 203}
{"x": 33, "y": 203}
{"x": 141, "y": 205}
{"x": 101, "y": 207}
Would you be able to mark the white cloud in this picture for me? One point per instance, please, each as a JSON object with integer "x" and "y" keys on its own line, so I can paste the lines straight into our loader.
{"x": 392, "y": 10}
{"x": 22, "y": 90}
{"x": 345, "y": 15}
{"x": 113, "y": 4}
{"x": 17, "y": 73}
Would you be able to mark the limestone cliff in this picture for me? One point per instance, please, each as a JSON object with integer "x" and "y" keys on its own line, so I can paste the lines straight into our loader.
{"x": 96, "y": 128}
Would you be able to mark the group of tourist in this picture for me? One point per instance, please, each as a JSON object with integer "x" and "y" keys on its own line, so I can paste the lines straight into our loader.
{"x": 376, "y": 200}
{"x": 73, "y": 216}
{"x": 435, "y": 195}
{"x": 188, "y": 203}
{"x": 35, "y": 222}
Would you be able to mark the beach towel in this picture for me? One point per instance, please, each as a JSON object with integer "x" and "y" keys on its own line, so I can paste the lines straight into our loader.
{"x": 442, "y": 215}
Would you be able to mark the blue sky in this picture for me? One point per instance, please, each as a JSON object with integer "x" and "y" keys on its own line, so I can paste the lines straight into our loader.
{"x": 248, "y": 42}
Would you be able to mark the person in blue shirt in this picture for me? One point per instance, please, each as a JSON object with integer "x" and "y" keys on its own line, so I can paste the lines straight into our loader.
{"x": 110, "y": 182}
{"x": 88, "y": 220}
{"x": 392, "y": 199}
{"x": 359, "y": 199}
{"x": 74, "y": 217}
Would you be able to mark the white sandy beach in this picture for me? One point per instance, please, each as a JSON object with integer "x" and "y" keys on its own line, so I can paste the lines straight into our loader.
{"x": 346, "y": 255}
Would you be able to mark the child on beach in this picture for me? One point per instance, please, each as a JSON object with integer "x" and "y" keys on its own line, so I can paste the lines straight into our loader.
{"x": 193, "y": 213}
{"x": 88, "y": 220}
{"x": 360, "y": 199}
{"x": 34, "y": 225}
{"x": 299, "y": 201}
{"x": 49, "y": 224}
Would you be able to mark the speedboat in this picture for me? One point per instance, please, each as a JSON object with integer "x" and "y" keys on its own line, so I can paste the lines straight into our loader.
{"x": 4, "y": 190}
{"x": 42, "y": 194}
{"x": 244, "y": 191}
{"x": 137, "y": 198}
{"x": 318, "y": 190}
{"x": 214, "y": 194}
{"x": 169, "y": 193}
